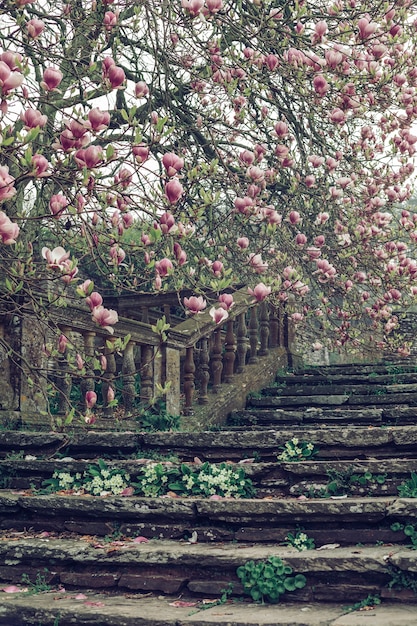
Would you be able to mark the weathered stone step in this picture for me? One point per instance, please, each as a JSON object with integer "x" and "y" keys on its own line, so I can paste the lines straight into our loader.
{"x": 200, "y": 570}
{"x": 345, "y": 415}
{"x": 142, "y": 610}
{"x": 217, "y": 446}
{"x": 333, "y": 378}
{"x": 347, "y": 388}
{"x": 344, "y": 520}
{"x": 275, "y": 478}
{"x": 345, "y": 399}
{"x": 391, "y": 368}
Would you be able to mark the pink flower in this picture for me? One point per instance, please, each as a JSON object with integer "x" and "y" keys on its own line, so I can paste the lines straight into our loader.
{"x": 257, "y": 263}
{"x": 90, "y": 399}
{"x": 300, "y": 239}
{"x": 337, "y": 116}
{"x": 97, "y": 119}
{"x": 297, "y": 317}
{"x": 105, "y": 317}
{"x": 243, "y": 242}
{"x": 173, "y": 191}
{"x": 85, "y": 288}
{"x": 195, "y": 304}
{"x": 260, "y": 292}
{"x": 141, "y": 89}
{"x": 94, "y": 300}
{"x": 80, "y": 361}
{"x": 110, "y": 20}
{"x": 281, "y": 129}
{"x": 9, "y": 79}
{"x": 110, "y": 394}
{"x": 320, "y": 84}
{"x": 33, "y": 118}
{"x": 172, "y": 163}
{"x": 55, "y": 258}
{"x": 217, "y": 268}
{"x": 164, "y": 267}
{"x": 115, "y": 76}
{"x": 117, "y": 254}
{"x": 35, "y": 27}
{"x": 366, "y": 28}
{"x": 89, "y": 157}
{"x": 40, "y": 165}
{"x": 219, "y": 315}
{"x": 8, "y": 230}
{"x": 52, "y": 77}
{"x": 7, "y": 189}
{"x": 141, "y": 153}
{"x": 294, "y": 217}
{"x": 57, "y": 204}
{"x": 226, "y": 301}
{"x": 214, "y": 5}
{"x": 62, "y": 344}
{"x": 193, "y": 7}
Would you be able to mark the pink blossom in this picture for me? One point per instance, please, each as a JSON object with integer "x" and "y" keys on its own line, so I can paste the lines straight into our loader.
{"x": 141, "y": 153}
{"x": 115, "y": 76}
{"x": 172, "y": 163}
{"x": 80, "y": 361}
{"x": 243, "y": 242}
{"x": 281, "y": 129}
{"x": 180, "y": 254}
{"x": 297, "y": 317}
{"x": 90, "y": 399}
{"x": 7, "y": 189}
{"x": 320, "y": 29}
{"x": 226, "y": 301}
{"x": 337, "y": 116}
{"x": 333, "y": 58}
{"x": 219, "y": 315}
{"x": 52, "y": 77}
{"x": 260, "y": 292}
{"x": 300, "y": 239}
{"x": 320, "y": 84}
{"x": 85, "y": 288}
{"x": 55, "y": 258}
{"x": 271, "y": 61}
{"x": 105, "y": 317}
{"x": 214, "y": 5}
{"x": 164, "y": 267}
{"x": 193, "y": 7}
{"x": 89, "y": 157}
{"x": 33, "y": 118}
{"x": 8, "y": 230}
{"x": 9, "y": 79}
{"x": 294, "y": 217}
{"x": 94, "y": 300}
{"x": 141, "y": 89}
{"x": 35, "y": 27}
{"x": 243, "y": 205}
{"x": 217, "y": 268}
{"x": 247, "y": 157}
{"x": 97, "y": 119}
{"x": 40, "y": 165}
{"x": 57, "y": 204}
{"x": 62, "y": 344}
{"x": 173, "y": 191}
{"x": 257, "y": 263}
{"x": 117, "y": 254}
{"x": 110, "y": 20}
{"x": 366, "y": 28}
{"x": 195, "y": 304}
{"x": 110, "y": 394}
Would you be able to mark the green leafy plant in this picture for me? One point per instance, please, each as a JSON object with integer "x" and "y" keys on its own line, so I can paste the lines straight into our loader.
{"x": 296, "y": 450}
{"x": 409, "y": 530}
{"x": 408, "y": 489}
{"x": 342, "y": 483}
{"x": 300, "y": 541}
{"x": 97, "y": 479}
{"x": 369, "y": 601}
{"x": 402, "y": 580}
{"x": 155, "y": 418}
{"x": 208, "y": 479}
{"x": 39, "y": 585}
{"x": 269, "y": 580}
{"x": 156, "y": 480}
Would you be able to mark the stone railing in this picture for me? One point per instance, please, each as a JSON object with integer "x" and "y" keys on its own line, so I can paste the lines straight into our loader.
{"x": 192, "y": 363}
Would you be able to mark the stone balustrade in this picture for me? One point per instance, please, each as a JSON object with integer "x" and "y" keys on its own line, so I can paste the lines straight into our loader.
{"x": 192, "y": 361}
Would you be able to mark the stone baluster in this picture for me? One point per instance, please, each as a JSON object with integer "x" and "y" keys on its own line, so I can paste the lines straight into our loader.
{"x": 189, "y": 385}
{"x": 204, "y": 376}
{"x": 88, "y": 381}
{"x": 253, "y": 335}
{"x": 128, "y": 372}
{"x": 146, "y": 374}
{"x": 64, "y": 380}
{"x": 264, "y": 328}
{"x": 108, "y": 389}
{"x": 230, "y": 353}
{"x": 242, "y": 343}
{"x": 274, "y": 327}
{"x": 144, "y": 314}
{"x": 216, "y": 364}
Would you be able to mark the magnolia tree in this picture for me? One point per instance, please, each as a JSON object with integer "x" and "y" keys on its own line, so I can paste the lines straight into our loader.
{"x": 205, "y": 144}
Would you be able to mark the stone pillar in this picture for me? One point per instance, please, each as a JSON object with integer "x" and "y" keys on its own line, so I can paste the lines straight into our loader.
{"x": 33, "y": 400}
{"x": 173, "y": 376}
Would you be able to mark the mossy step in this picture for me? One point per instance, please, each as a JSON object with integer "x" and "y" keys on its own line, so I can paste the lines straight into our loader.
{"x": 334, "y": 378}
{"x": 341, "y": 399}
{"x": 200, "y": 570}
{"x": 67, "y": 608}
{"x": 348, "y": 388}
{"x": 349, "y": 519}
{"x": 324, "y": 416}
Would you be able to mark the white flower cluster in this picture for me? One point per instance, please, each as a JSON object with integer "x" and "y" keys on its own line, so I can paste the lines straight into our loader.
{"x": 221, "y": 481}
{"x": 296, "y": 451}
{"x": 107, "y": 483}
{"x": 153, "y": 479}
{"x": 65, "y": 480}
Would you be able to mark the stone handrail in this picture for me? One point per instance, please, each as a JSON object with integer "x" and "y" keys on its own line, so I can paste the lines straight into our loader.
{"x": 194, "y": 359}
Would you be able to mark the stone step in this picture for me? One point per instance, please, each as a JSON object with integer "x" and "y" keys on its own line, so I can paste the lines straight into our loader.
{"x": 347, "y": 519}
{"x": 276, "y": 478}
{"x": 324, "y": 416}
{"x": 217, "y": 446}
{"x": 66, "y": 608}
{"x": 333, "y": 378}
{"x": 334, "y": 400}
{"x": 332, "y": 574}
{"x": 346, "y": 388}
{"x": 347, "y": 369}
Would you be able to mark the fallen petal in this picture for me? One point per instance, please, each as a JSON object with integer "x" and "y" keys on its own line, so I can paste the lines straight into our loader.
{"x": 182, "y": 603}
{"x": 140, "y": 540}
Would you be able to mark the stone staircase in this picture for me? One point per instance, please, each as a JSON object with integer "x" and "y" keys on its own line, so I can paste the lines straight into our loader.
{"x": 171, "y": 560}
